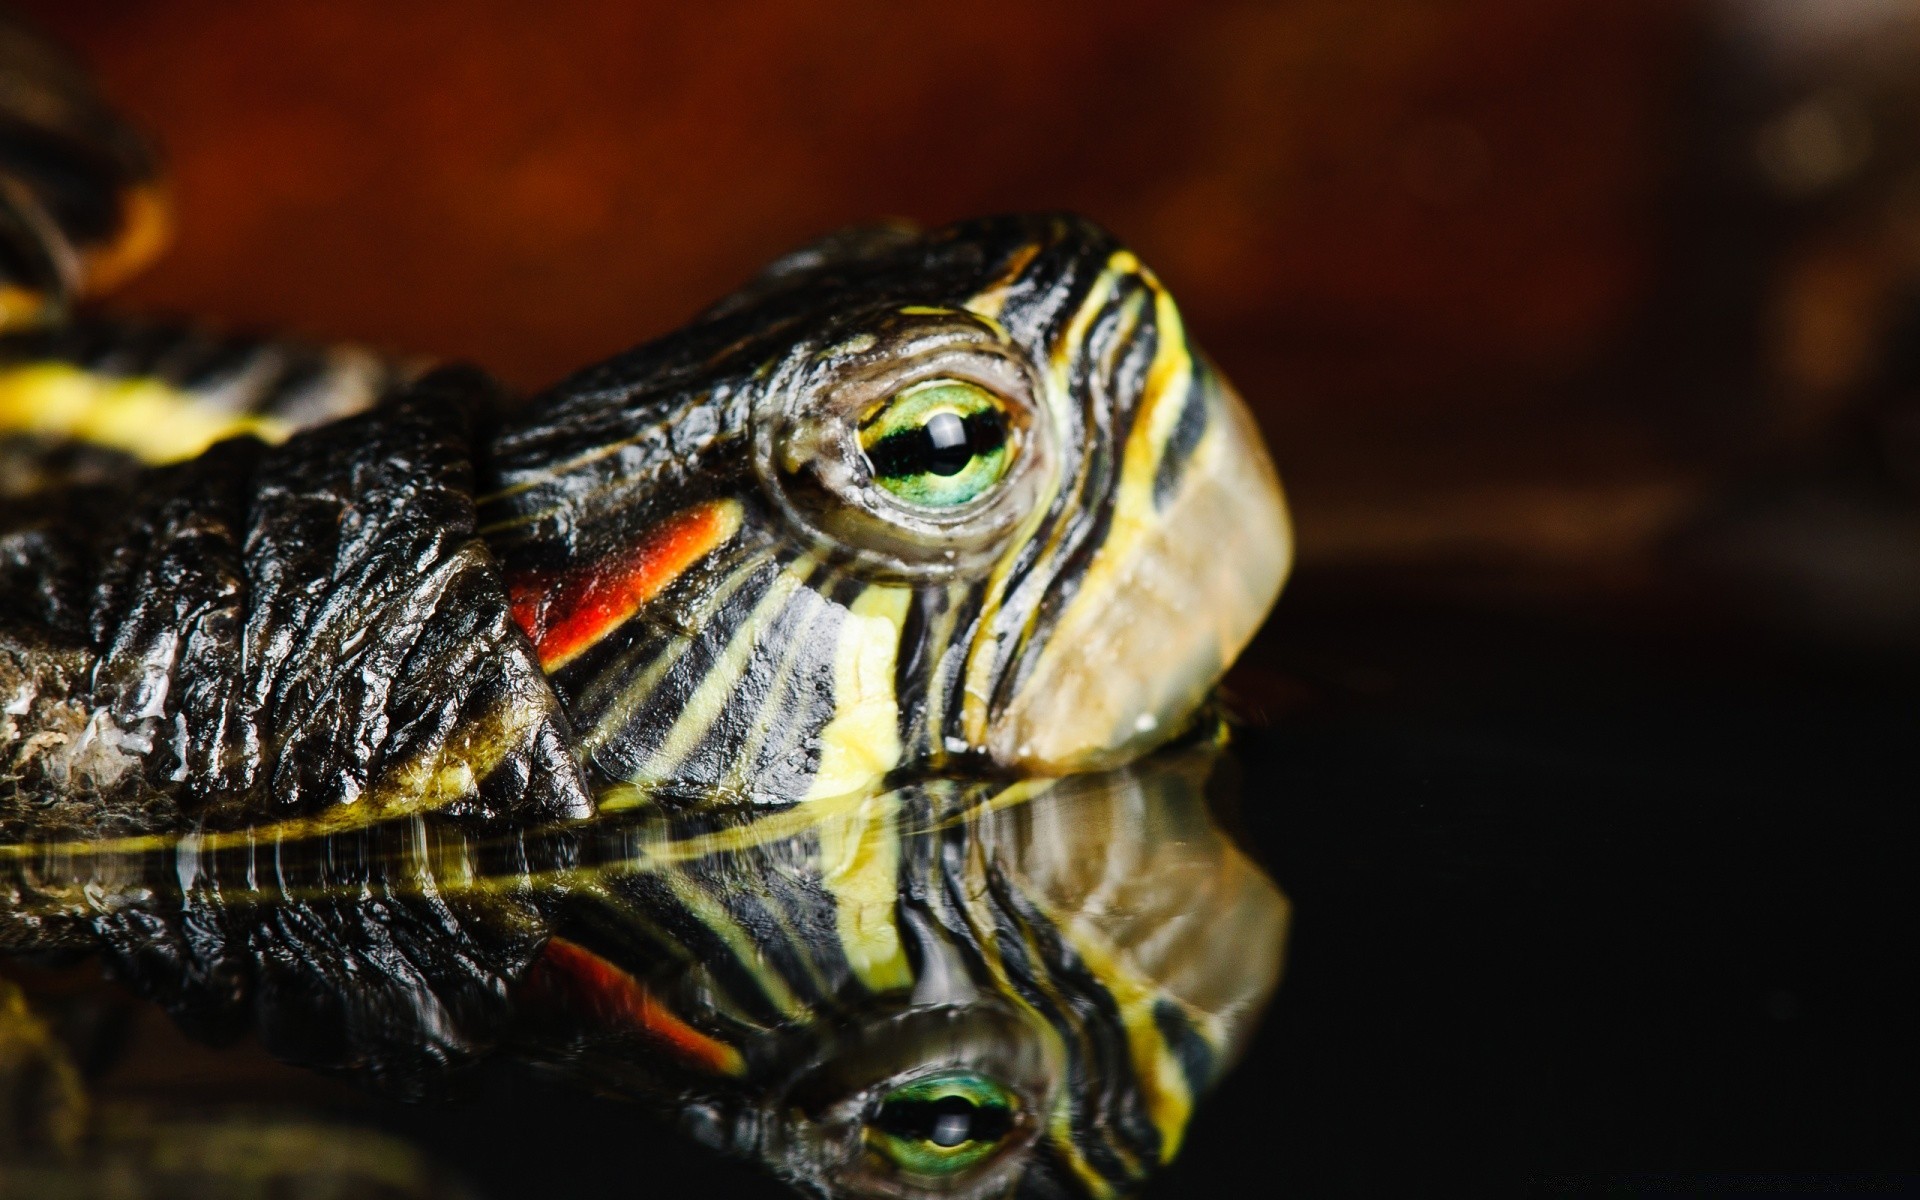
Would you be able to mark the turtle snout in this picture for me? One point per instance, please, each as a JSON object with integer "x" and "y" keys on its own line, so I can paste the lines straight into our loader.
{"x": 1195, "y": 555}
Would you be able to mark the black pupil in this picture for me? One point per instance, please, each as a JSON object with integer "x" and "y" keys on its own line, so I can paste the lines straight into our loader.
{"x": 947, "y": 1122}
{"x": 942, "y": 446}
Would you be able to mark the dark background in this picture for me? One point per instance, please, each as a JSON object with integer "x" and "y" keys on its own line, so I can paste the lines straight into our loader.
{"x": 1584, "y": 335}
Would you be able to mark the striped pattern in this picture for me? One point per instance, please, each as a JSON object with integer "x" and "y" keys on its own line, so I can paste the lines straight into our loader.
{"x": 714, "y": 959}
{"x": 706, "y": 651}
{"x": 753, "y": 673}
{"x": 761, "y": 676}
{"x": 162, "y": 393}
{"x": 770, "y": 928}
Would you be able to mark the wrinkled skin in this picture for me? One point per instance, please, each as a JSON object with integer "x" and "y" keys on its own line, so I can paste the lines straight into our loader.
{"x": 272, "y": 631}
{"x": 906, "y": 503}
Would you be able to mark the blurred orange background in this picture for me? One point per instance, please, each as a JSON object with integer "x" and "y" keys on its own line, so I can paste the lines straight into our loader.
{"x": 1435, "y": 243}
{"x": 1381, "y": 189}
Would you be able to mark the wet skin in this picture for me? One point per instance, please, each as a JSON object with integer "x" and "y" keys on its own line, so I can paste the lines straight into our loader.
{"x": 907, "y": 504}
{"x": 947, "y": 989}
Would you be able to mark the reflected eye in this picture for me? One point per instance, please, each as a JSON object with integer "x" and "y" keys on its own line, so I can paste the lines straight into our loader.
{"x": 938, "y": 444}
{"x": 942, "y": 1125}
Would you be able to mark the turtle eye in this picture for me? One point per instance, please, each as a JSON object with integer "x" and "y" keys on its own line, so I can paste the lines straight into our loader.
{"x": 940, "y": 1126}
{"x": 938, "y": 444}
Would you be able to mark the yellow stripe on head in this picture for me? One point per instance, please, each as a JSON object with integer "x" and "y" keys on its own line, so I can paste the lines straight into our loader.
{"x": 862, "y": 742}
{"x": 983, "y": 661}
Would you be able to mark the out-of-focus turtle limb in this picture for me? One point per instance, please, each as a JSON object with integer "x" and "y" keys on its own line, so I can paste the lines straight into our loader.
{"x": 92, "y": 400}
{"x": 80, "y": 202}
{"x": 43, "y": 1104}
{"x": 136, "y": 1153}
{"x": 57, "y": 1145}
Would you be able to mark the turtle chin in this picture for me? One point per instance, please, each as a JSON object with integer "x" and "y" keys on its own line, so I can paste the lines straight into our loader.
{"x": 1198, "y": 550}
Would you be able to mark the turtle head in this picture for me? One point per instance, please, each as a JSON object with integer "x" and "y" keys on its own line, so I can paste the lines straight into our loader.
{"x": 906, "y": 501}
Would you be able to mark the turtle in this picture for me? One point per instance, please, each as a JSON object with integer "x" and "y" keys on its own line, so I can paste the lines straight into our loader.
{"x": 962, "y": 987}
{"x": 911, "y": 513}
{"x": 908, "y": 502}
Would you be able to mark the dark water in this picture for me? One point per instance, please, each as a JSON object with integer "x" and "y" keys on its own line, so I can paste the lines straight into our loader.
{"x": 1586, "y": 897}
{"x": 1585, "y": 900}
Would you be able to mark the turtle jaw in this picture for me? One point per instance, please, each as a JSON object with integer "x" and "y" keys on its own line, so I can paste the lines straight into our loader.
{"x": 1199, "y": 548}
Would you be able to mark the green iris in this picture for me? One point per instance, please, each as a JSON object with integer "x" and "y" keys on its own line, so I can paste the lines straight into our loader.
{"x": 938, "y": 444}
{"x": 943, "y": 1124}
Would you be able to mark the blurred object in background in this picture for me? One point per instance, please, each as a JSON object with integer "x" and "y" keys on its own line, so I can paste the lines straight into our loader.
{"x": 58, "y": 1143}
{"x": 78, "y": 212}
{"x": 1810, "y": 144}
{"x": 1379, "y": 188}
{"x": 1813, "y": 122}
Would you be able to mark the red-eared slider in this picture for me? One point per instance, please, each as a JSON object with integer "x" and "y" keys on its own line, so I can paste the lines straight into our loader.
{"x": 796, "y": 607}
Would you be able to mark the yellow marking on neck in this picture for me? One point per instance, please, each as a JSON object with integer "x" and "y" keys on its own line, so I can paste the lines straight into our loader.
{"x": 1163, "y": 1083}
{"x": 712, "y": 914}
{"x": 455, "y": 855}
{"x": 859, "y": 851}
{"x": 760, "y": 830}
{"x": 862, "y": 741}
{"x": 634, "y": 693}
{"x": 150, "y": 419}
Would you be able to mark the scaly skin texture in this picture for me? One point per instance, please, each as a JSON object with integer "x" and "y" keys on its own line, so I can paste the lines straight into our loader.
{"x": 733, "y": 682}
{"x": 723, "y": 603}
{"x": 271, "y": 632}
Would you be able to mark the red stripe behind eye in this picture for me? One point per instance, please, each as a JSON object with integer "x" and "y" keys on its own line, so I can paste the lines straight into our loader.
{"x": 566, "y": 615}
{"x": 612, "y": 996}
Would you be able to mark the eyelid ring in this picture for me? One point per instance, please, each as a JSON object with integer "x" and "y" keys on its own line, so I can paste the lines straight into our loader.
{"x": 808, "y": 456}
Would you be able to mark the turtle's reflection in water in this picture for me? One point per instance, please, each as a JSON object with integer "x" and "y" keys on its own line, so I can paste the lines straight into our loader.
{"x": 954, "y": 988}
